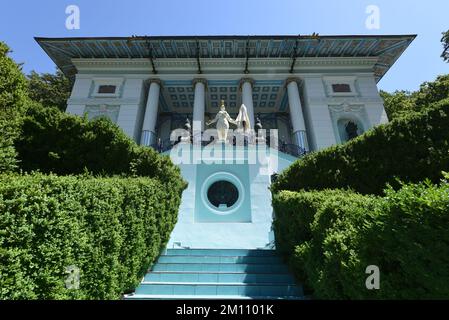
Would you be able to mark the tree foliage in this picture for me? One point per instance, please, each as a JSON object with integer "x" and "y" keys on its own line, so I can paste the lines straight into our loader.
{"x": 401, "y": 103}
{"x": 13, "y": 85}
{"x": 50, "y": 89}
{"x": 445, "y": 42}
{"x": 13, "y": 99}
{"x": 412, "y": 148}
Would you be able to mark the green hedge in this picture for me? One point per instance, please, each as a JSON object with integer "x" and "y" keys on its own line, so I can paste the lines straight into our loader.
{"x": 57, "y": 142}
{"x": 411, "y": 148}
{"x": 331, "y": 237}
{"x": 112, "y": 229}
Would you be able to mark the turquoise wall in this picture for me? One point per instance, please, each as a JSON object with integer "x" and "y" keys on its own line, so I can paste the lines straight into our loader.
{"x": 250, "y": 225}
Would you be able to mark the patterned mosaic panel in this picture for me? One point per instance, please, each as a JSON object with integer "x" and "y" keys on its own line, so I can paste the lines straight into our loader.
{"x": 223, "y": 90}
{"x": 100, "y": 111}
{"x": 266, "y": 95}
{"x": 179, "y": 96}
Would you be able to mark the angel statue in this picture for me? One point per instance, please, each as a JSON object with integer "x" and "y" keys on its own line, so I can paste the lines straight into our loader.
{"x": 222, "y": 119}
{"x": 243, "y": 122}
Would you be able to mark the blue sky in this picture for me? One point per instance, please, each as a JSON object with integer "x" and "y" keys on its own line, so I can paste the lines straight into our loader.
{"x": 21, "y": 20}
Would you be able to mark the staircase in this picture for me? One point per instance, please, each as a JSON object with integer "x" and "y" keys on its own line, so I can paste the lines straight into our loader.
{"x": 218, "y": 274}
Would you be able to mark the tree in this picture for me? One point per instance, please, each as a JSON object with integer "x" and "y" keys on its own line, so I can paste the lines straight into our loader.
{"x": 13, "y": 85}
{"x": 445, "y": 42}
{"x": 400, "y": 103}
{"x": 431, "y": 92}
{"x": 49, "y": 89}
{"x": 13, "y": 99}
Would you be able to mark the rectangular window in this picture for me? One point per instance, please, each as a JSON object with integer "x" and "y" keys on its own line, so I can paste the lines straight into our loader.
{"x": 341, "y": 87}
{"x": 107, "y": 89}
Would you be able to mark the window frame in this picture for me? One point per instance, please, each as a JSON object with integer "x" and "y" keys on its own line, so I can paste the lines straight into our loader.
{"x": 340, "y": 80}
{"x": 99, "y": 82}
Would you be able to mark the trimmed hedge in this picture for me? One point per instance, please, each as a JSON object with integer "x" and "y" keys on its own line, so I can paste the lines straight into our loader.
{"x": 331, "y": 237}
{"x": 112, "y": 229}
{"x": 56, "y": 142}
{"x": 411, "y": 149}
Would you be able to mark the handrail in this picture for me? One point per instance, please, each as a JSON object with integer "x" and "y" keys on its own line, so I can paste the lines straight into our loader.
{"x": 288, "y": 148}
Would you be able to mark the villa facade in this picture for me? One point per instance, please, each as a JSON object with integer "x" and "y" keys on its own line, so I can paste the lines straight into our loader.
{"x": 316, "y": 91}
{"x": 307, "y": 87}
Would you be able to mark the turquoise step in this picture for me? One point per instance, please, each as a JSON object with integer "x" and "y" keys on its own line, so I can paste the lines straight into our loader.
{"x": 246, "y": 290}
{"x": 222, "y": 252}
{"x": 208, "y": 297}
{"x": 218, "y": 274}
{"x": 220, "y": 259}
{"x": 221, "y": 267}
{"x": 252, "y": 278}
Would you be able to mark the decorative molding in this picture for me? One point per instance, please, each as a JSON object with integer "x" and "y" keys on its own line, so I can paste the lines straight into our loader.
{"x": 342, "y": 100}
{"x": 103, "y": 101}
{"x": 351, "y": 111}
{"x": 225, "y": 64}
{"x": 346, "y": 108}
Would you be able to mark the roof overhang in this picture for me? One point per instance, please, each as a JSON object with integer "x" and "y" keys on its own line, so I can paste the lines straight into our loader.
{"x": 294, "y": 51}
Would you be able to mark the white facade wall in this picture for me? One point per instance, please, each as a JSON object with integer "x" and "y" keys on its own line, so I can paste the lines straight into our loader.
{"x": 130, "y": 98}
{"x": 374, "y": 108}
{"x": 319, "y": 123}
{"x": 131, "y": 115}
{"x": 81, "y": 90}
{"x": 323, "y": 108}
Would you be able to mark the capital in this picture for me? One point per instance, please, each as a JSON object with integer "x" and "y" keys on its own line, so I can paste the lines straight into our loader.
{"x": 244, "y": 80}
{"x": 158, "y": 81}
{"x": 292, "y": 79}
{"x": 199, "y": 80}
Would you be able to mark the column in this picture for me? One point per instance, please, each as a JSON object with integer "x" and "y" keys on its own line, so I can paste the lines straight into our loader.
{"x": 199, "y": 106}
{"x": 151, "y": 112}
{"x": 247, "y": 98}
{"x": 296, "y": 114}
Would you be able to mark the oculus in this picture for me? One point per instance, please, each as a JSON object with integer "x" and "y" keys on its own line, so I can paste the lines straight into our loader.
{"x": 223, "y": 194}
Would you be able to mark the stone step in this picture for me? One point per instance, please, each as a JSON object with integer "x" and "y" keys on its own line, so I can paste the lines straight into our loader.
{"x": 228, "y": 274}
{"x": 220, "y": 259}
{"x": 207, "y": 297}
{"x": 221, "y": 267}
{"x": 202, "y": 289}
{"x": 250, "y": 278}
{"x": 222, "y": 252}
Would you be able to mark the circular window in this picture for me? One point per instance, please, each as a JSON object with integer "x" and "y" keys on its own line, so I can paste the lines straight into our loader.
{"x": 223, "y": 194}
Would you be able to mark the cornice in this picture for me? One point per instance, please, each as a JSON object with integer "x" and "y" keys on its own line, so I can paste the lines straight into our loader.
{"x": 207, "y": 64}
